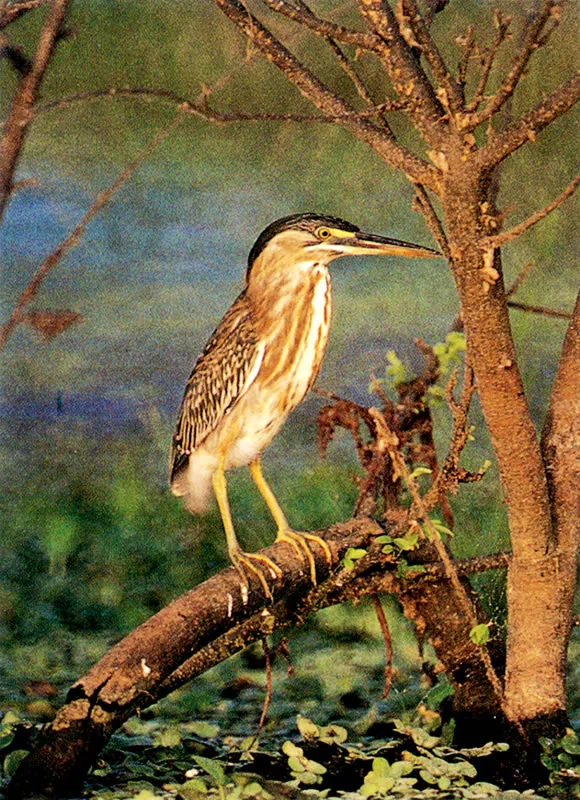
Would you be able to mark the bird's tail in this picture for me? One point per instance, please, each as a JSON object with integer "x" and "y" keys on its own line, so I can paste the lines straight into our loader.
{"x": 194, "y": 483}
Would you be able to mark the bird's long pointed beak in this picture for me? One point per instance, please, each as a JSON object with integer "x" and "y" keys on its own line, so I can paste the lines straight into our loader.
{"x": 372, "y": 243}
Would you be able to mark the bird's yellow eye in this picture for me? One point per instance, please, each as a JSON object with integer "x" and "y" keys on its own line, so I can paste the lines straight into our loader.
{"x": 323, "y": 233}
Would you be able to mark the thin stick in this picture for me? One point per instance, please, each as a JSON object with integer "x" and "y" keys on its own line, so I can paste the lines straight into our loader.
{"x": 506, "y": 90}
{"x": 268, "y": 696}
{"x": 73, "y": 238}
{"x": 519, "y": 279}
{"x": 517, "y": 230}
{"x": 384, "y": 625}
{"x": 490, "y": 56}
{"x": 547, "y": 312}
{"x": 199, "y": 107}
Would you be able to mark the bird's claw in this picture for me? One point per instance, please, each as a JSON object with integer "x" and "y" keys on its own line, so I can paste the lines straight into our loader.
{"x": 297, "y": 539}
{"x": 243, "y": 563}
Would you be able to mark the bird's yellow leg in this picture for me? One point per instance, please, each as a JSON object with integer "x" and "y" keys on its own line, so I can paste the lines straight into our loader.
{"x": 285, "y": 533}
{"x": 239, "y": 559}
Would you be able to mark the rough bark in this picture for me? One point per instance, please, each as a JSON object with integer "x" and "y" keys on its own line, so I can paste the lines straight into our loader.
{"x": 211, "y": 622}
{"x": 534, "y": 684}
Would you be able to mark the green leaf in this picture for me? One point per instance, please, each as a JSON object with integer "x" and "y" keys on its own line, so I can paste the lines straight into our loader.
{"x": 290, "y": 749}
{"x": 480, "y": 634}
{"x": 296, "y": 764}
{"x": 407, "y": 542}
{"x": 420, "y": 471}
{"x": 396, "y": 370}
{"x": 192, "y": 789}
{"x": 333, "y": 734}
{"x": 13, "y": 761}
{"x": 203, "y": 729}
{"x": 307, "y": 728}
{"x": 441, "y": 528}
{"x": 405, "y": 570}
{"x": 352, "y": 555}
{"x": 381, "y": 767}
{"x": 213, "y": 768}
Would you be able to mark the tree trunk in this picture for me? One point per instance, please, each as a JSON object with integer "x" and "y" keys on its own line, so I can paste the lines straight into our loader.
{"x": 534, "y": 680}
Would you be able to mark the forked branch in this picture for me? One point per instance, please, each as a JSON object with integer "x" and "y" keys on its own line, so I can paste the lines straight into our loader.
{"x": 328, "y": 102}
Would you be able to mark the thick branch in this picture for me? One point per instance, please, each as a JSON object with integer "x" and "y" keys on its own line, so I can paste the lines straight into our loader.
{"x": 449, "y": 92}
{"x": 26, "y": 95}
{"x": 405, "y": 71}
{"x": 501, "y": 145}
{"x": 208, "y": 624}
{"x": 331, "y": 104}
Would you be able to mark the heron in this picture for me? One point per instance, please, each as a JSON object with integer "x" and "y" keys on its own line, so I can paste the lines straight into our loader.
{"x": 258, "y": 365}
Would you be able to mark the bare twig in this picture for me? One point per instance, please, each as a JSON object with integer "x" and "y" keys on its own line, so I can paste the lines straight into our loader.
{"x": 468, "y": 46}
{"x": 10, "y": 13}
{"x": 502, "y": 25}
{"x": 425, "y": 206}
{"x": 519, "y": 279}
{"x": 384, "y": 625}
{"x": 530, "y": 43}
{"x": 303, "y": 15}
{"x": 200, "y": 108}
{"x": 327, "y": 101}
{"x": 268, "y": 695}
{"x": 26, "y": 95}
{"x": 73, "y": 238}
{"x": 517, "y": 230}
{"x": 501, "y": 145}
{"x": 544, "y": 310}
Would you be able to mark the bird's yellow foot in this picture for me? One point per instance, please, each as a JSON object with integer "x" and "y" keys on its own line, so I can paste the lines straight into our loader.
{"x": 243, "y": 562}
{"x": 299, "y": 541}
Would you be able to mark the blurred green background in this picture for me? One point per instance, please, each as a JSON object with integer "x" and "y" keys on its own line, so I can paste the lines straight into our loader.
{"x": 91, "y": 540}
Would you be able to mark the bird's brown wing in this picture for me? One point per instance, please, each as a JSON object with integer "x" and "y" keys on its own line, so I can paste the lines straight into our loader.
{"x": 222, "y": 374}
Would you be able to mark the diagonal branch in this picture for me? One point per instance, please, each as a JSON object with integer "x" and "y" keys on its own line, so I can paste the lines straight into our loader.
{"x": 329, "y": 103}
{"x": 530, "y": 44}
{"x": 26, "y": 95}
{"x": 449, "y": 92}
{"x": 502, "y": 28}
{"x": 501, "y": 145}
{"x": 203, "y": 627}
{"x": 405, "y": 71}
{"x": 73, "y": 238}
{"x": 322, "y": 27}
{"x": 10, "y": 13}
{"x": 517, "y": 230}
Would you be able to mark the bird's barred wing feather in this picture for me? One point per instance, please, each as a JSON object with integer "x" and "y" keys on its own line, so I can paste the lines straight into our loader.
{"x": 222, "y": 374}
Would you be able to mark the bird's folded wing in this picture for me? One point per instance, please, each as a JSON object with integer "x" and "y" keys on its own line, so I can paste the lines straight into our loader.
{"x": 222, "y": 374}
